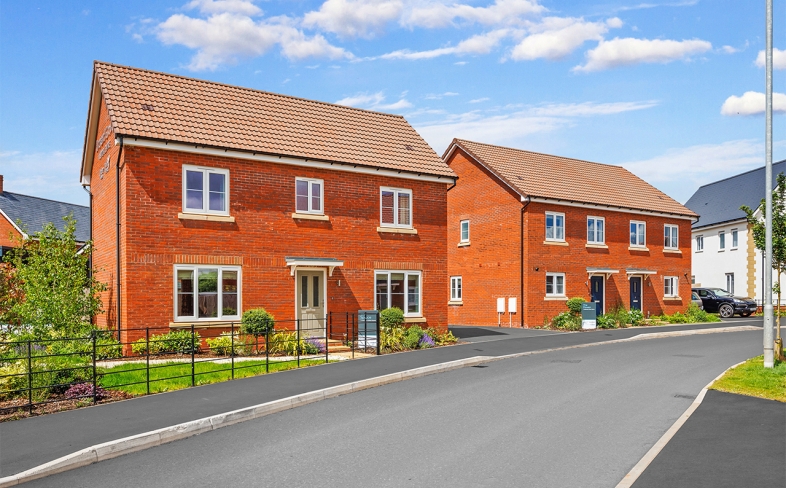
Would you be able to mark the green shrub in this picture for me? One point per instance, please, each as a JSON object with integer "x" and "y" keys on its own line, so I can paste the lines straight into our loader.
{"x": 391, "y": 317}
{"x": 222, "y": 345}
{"x": 391, "y": 339}
{"x": 607, "y": 322}
{"x": 177, "y": 341}
{"x": 566, "y": 321}
{"x": 257, "y": 322}
{"x": 695, "y": 314}
{"x": 574, "y": 305}
{"x": 106, "y": 346}
{"x": 676, "y": 318}
{"x": 636, "y": 317}
{"x": 412, "y": 337}
{"x": 50, "y": 375}
{"x": 285, "y": 343}
{"x": 442, "y": 339}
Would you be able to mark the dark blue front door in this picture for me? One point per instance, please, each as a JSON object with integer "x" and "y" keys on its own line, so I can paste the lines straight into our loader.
{"x": 596, "y": 293}
{"x": 635, "y": 293}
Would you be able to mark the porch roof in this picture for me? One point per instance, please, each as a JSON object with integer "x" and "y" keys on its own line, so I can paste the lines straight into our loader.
{"x": 296, "y": 262}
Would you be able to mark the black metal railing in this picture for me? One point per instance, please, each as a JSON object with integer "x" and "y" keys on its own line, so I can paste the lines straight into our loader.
{"x": 38, "y": 372}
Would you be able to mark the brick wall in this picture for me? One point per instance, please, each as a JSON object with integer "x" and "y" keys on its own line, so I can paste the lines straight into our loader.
{"x": 9, "y": 236}
{"x": 261, "y": 201}
{"x": 490, "y": 265}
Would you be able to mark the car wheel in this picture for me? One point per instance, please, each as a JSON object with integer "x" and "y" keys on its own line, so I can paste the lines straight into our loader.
{"x": 746, "y": 314}
{"x": 726, "y": 311}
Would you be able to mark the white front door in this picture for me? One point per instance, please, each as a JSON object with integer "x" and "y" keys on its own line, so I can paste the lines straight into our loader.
{"x": 310, "y": 303}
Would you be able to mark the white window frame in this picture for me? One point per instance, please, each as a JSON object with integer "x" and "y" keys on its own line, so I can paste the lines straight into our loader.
{"x": 675, "y": 233}
{"x": 700, "y": 243}
{"x": 595, "y": 225}
{"x": 638, "y": 223}
{"x": 721, "y": 241}
{"x": 310, "y": 195}
{"x": 396, "y": 192}
{"x": 206, "y": 171}
{"x": 674, "y": 283}
{"x": 407, "y": 274}
{"x": 456, "y": 289}
{"x": 556, "y": 227}
{"x": 461, "y": 231}
{"x": 220, "y": 316}
{"x": 730, "y": 289}
{"x": 734, "y": 239}
{"x": 554, "y": 291}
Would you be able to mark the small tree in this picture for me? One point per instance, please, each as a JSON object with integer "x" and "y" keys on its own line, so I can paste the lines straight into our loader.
{"x": 758, "y": 225}
{"x": 54, "y": 291}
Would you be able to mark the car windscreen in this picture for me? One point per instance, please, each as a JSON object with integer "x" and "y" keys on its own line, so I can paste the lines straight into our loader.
{"x": 720, "y": 293}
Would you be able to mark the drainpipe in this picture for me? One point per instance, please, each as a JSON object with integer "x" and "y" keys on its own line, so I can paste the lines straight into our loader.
{"x": 117, "y": 245}
{"x": 521, "y": 261}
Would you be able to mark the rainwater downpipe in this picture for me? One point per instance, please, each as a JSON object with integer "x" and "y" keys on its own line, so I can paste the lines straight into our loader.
{"x": 117, "y": 244}
{"x": 521, "y": 260}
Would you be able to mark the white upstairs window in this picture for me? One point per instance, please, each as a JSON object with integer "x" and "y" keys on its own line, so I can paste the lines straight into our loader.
{"x": 205, "y": 190}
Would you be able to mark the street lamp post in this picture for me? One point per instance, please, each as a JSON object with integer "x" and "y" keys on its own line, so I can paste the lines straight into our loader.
{"x": 768, "y": 318}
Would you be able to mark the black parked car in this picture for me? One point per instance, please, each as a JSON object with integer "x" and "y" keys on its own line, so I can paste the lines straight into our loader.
{"x": 724, "y": 303}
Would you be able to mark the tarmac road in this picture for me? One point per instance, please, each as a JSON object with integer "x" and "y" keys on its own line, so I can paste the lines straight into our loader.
{"x": 581, "y": 417}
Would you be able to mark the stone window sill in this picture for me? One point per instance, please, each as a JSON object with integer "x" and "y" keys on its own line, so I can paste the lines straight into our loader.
{"x": 395, "y": 230}
{"x": 301, "y": 216}
{"x": 456, "y": 302}
{"x": 672, "y": 251}
{"x": 463, "y": 244}
{"x": 556, "y": 299}
{"x": 636, "y": 248}
{"x": 414, "y": 320}
{"x": 596, "y": 246}
{"x": 555, "y": 243}
{"x": 672, "y": 299}
{"x": 208, "y": 217}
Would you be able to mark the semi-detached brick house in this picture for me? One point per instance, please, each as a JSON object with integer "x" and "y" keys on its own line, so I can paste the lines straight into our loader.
{"x": 541, "y": 229}
{"x": 209, "y": 200}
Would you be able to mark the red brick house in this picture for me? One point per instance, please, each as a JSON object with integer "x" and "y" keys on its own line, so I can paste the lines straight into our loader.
{"x": 534, "y": 230}
{"x": 209, "y": 200}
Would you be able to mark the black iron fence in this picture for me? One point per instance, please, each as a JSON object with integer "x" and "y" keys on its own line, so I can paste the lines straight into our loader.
{"x": 38, "y": 372}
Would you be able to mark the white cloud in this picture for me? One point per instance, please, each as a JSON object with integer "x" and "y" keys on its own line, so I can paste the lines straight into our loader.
{"x": 53, "y": 175}
{"x": 680, "y": 171}
{"x": 460, "y": 63}
{"x": 557, "y": 37}
{"x": 354, "y": 18}
{"x": 752, "y": 103}
{"x": 226, "y": 37}
{"x": 439, "y": 96}
{"x": 729, "y": 49}
{"x": 374, "y": 101}
{"x": 778, "y": 59}
{"x": 501, "y": 12}
{"x": 478, "y": 44}
{"x": 480, "y": 100}
{"x": 587, "y": 109}
{"x": 242, "y": 7}
{"x": 626, "y": 51}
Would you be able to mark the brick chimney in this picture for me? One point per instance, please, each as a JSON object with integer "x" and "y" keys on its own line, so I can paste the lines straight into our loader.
{"x": 1, "y": 183}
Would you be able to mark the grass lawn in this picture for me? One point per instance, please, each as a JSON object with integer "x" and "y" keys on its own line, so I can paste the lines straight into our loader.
{"x": 752, "y": 379}
{"x": 175, "y": 376}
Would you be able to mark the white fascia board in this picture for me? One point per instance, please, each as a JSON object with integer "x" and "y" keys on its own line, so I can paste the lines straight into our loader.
{"x": 610, "y": 208}
{"x": 336, "y": 166}
{"x": 89, "y": 147}
{"x": 21, "y": 232}
{"x": 710, "y": 228}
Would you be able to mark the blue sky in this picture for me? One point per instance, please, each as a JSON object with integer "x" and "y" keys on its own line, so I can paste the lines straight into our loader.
{"x": 670, "y": 89}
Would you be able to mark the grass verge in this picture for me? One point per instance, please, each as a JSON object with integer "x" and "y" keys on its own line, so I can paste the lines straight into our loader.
{"x": 752, "y": 379}
{"x": 132, "y": 377}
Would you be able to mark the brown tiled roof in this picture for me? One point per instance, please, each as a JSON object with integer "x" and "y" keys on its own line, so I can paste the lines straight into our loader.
{"x": 161, "y": 106}
{"x": 541, "y": 175}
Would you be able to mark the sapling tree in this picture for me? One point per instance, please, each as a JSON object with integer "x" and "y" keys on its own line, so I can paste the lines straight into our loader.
{"x": 55, "y": 292}
{"x": 757, "y": 223}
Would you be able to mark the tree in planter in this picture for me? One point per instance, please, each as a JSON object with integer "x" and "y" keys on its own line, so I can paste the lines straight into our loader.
{"x": 56, "y": 292}
{"x": 758, "y": 225}
{"x": 257, "y": 322}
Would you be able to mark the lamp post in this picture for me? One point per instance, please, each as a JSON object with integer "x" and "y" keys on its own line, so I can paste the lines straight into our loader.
{"x": 768, "y": 318}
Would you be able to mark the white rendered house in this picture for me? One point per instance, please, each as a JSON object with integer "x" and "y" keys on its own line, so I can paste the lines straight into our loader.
{"x": 724, "y": 254}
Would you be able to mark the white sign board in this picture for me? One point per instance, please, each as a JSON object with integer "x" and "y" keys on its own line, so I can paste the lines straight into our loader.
{"x": 501, "y": 305}
{"x": 589, "y": 324}
{"x": 512, "y": 305}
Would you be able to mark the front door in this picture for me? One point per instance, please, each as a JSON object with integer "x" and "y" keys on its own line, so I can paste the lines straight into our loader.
{"x": 635, "y": 292}
{"x": 596, "y": 293}
{"x": 310, "y": 303}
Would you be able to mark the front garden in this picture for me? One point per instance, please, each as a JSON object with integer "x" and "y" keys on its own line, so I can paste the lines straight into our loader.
{"x": 619, "y": 317}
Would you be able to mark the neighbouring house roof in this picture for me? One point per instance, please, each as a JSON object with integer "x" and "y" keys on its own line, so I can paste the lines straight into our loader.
{"x": 34, "y": 212}
{"x": 720, "y": 201}
{"x": 165, "y": 107}
{"x": 537, "y": 175}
